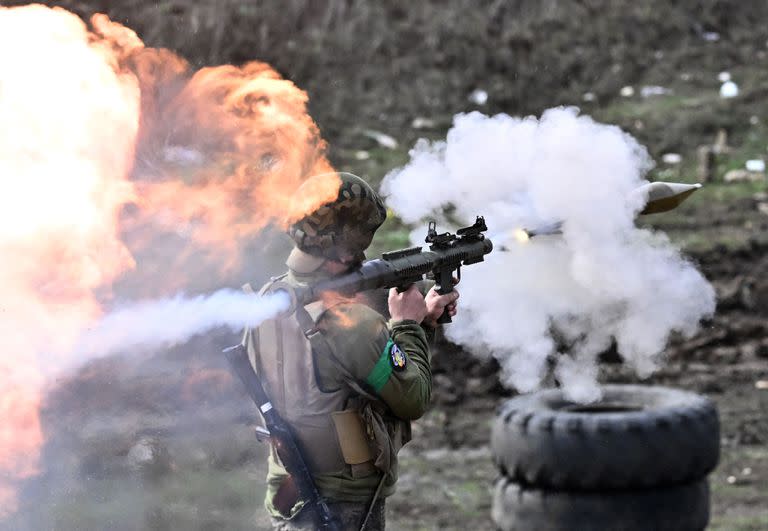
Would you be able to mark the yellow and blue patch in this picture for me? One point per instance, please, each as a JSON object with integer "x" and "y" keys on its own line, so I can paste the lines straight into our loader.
{"x": 392, "y": 359}
{"x": 397, "y": 357}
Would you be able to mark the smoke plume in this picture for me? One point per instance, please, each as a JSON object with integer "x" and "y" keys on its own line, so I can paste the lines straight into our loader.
{"x": 126, "y": 174}
{"x": 146, "y": 324}
{"x": 602, "y": 280}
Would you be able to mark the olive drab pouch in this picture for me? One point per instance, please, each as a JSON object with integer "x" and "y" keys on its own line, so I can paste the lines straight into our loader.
{"x": 357, "y": 448}
{"x": 387, "y": 432}
{"x": 355, "y": 444}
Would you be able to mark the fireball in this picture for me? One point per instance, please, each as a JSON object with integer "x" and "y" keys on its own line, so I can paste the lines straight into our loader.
{"x": 106, "y": 146}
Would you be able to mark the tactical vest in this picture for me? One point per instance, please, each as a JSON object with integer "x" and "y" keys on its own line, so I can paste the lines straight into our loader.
{"x": 327, "y": 422}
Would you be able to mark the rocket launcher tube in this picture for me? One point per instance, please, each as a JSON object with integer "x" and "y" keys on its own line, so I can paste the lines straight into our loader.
{"x": 399, "y": 269}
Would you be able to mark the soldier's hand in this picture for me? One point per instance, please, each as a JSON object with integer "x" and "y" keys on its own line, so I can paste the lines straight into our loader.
{"x": 409, "y": 304}
{"x": 437, "y": 303}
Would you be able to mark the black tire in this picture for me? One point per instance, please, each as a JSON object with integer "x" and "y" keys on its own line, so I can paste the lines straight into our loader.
{"x": 674, "y": 508}
{"x": 635, "y": 437}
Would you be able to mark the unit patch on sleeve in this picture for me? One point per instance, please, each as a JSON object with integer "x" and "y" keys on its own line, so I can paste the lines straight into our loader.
{"x": 397, "y": 357}
{"x": 391, "y": 359}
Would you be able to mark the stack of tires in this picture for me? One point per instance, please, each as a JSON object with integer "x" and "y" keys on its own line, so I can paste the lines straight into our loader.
{"x": 636, "y": 460}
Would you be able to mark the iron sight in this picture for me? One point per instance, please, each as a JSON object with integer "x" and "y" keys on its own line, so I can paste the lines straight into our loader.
{"x": 399, "y": 269}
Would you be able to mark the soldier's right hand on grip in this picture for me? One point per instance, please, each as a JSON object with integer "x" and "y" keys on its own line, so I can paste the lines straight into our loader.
{"x": 408, "y": 304}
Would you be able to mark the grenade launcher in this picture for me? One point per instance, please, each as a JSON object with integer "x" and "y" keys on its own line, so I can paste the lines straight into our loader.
{"x": 399, "y": 269}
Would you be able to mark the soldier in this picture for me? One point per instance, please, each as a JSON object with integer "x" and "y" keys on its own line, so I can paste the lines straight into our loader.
{"x": 346, "y": 380}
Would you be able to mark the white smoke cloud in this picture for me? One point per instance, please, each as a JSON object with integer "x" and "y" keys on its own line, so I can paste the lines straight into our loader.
{"x": 171, "y": 321}
{"x": 602, "y": 279}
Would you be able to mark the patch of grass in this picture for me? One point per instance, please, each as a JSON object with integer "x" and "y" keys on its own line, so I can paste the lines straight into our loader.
{"x": 727, "y": 494}
{"x": 723, "y": 192}
{"x": 635, "y": 108}
{"x": 383, "y": 161}
{"x": 740, "y": 506}
{"x": 394, "y": 234}
{"x": 471, "y": 498}
{"x": 740, "y": 523}
{"x": 699, "y": 242}
{"x": 206, "y": 499}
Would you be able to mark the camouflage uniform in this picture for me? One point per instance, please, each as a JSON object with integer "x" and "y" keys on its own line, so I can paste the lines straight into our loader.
{"x": 378, "y": 371}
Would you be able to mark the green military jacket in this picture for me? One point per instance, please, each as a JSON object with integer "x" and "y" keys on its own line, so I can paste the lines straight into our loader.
{"x": 361, "y": 339}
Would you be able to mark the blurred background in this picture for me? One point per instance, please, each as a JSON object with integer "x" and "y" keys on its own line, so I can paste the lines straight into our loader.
{"x": 164, "y": 441}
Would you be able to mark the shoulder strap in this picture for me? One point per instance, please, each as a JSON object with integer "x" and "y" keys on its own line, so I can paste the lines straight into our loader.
{"x": 265, "y": 287}
{"x": 320, "y": 345}
{"x": 251, "y": 335}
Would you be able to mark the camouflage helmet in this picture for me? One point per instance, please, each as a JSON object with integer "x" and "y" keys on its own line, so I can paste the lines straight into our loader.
{"x": 343, "y": 227}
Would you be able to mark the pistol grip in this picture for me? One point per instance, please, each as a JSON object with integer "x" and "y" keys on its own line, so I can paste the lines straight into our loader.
{"x": 444, "y": 286}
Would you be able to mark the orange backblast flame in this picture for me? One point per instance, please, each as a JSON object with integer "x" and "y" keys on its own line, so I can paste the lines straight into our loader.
{"x": 220, "y": 150}
{"x": 66, "y": 145}
{"x": 338, "y": 304}
{"x": 105, "y": 144}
